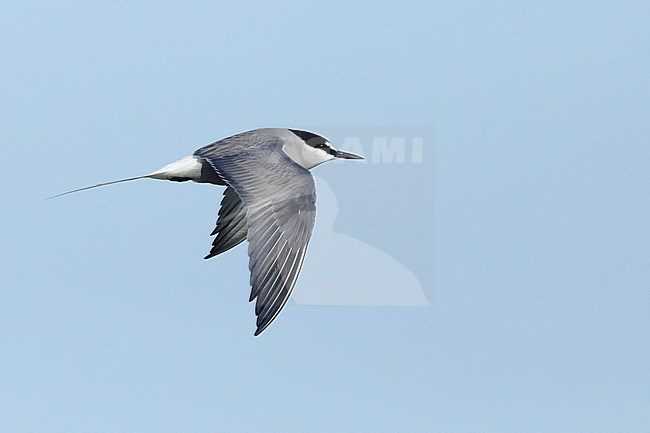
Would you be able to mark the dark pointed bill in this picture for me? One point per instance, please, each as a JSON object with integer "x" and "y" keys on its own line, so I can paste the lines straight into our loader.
{"x": 346, "y": 155}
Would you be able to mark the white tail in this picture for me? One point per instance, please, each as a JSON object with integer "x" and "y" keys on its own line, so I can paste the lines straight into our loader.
{"x": 188, "y": 168}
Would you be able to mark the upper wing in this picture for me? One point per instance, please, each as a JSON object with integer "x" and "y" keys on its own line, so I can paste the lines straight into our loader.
{"x": 280, "y": 201}
{"x": 231, "y": 225}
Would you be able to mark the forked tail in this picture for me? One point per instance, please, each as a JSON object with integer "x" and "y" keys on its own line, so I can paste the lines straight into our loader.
{"x": 100, "y": 184}
{"x": 188, "y": 168}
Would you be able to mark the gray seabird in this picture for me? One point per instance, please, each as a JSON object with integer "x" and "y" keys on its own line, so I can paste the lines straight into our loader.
{"x": 270, "y": 199}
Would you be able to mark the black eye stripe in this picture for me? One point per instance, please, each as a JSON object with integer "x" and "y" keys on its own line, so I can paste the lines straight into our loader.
{"x": 314, "y": 140}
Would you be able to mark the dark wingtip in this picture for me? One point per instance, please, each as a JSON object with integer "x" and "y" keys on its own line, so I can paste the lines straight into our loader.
{"x": 261, "y": 326}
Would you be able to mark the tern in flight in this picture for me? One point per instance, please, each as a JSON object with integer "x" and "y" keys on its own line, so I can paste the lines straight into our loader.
{"x": 270, "y": 199}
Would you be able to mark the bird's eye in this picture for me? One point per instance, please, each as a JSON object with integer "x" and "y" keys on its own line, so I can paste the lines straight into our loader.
{"x": 321, "y": 146}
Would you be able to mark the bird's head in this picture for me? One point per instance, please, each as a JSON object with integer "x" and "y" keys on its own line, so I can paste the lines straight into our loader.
{"x": 309, "y": 149}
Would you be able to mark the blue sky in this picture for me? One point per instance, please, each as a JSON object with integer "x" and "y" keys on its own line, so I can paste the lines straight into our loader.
{"x": 526, "y": 222}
